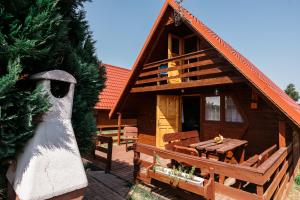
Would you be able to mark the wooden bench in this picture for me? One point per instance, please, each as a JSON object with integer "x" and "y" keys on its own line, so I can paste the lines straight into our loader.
{"x": 180, "y": 142}
{"x": 130, "y": 134}
{"x": 257, "y": 160}
{"x": 274, "y": 164}
{"x": 145, "y": 171}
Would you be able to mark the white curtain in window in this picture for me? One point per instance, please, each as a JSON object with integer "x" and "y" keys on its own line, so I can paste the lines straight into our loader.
{"x": 231, "y": 112}
{"x": 212, "y": 108}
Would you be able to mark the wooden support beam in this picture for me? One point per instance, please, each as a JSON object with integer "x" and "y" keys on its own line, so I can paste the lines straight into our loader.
{"x": 282, "y": 133}
{"x": 119, "y": 127}
{"x": 196, "y": 83}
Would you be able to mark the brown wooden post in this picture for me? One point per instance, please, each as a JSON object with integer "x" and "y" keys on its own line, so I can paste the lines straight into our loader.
{"x": 212, "y": 188}
{"x": 260, "y": 190}
{"x": 295, "y": 151}
{"x": 282, "y": 133}
{"x": 119, "y": 127}
{"x": 109, "y": 154}
{"x": 136, "y": 163}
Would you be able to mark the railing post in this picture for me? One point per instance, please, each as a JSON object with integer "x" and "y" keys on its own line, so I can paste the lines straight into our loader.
{"x": 212, "y": 178}
{"x": 119, "y": 127}
{"x": 136, "y": 163}
{"x": 109, "y": 155}
{"x": 282, "y": 134}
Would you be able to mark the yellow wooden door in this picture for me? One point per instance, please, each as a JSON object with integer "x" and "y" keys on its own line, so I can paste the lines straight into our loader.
{"x": 167, "y": 117}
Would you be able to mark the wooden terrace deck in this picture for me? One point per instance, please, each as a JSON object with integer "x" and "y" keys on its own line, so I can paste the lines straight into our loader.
{"x": 122, "y": 168}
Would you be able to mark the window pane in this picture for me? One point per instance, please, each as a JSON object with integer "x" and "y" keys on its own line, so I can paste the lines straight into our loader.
{"x": 212, "y": 108}
{"x": 231, "y": 112}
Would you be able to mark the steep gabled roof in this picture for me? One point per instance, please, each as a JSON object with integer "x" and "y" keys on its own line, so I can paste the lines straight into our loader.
{"x": 116, "y": 79}
{"x": 260, "y": 81}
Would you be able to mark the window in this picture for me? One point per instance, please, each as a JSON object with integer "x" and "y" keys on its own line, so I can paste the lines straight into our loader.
{"x": 212, "y": 108}
{"x": 191, "y": 44}
{"x": 175, "y": 46}
{"x": 231, "y": 112}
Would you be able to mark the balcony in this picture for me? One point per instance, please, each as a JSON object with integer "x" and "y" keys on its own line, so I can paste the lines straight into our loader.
{"x": 196, "y": 69}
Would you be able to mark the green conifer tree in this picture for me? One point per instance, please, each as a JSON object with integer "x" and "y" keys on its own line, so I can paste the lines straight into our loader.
{"x": 292, "y": 92}
{"x": 35, "y": 36}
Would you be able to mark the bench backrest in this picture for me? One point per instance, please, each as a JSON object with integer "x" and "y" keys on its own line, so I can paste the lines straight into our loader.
{"x": 181, "y": 139}
{"x": 257, "y": 160}
{"x": 186, "y": 150}
{"x": 266, "y": 154}
{"x": 130, "y": 131}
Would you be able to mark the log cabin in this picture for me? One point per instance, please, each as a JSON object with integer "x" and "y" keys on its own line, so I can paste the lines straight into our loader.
{"x": 116, "y": 79}
{"x": 188, "y": 78}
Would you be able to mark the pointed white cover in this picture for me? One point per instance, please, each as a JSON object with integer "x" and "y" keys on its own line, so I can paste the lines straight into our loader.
{"x": 50, "y": 164}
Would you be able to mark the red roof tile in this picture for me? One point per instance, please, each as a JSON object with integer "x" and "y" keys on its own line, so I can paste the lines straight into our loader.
{"x": 269, "y": 89}
{"x": 116, "y": 79}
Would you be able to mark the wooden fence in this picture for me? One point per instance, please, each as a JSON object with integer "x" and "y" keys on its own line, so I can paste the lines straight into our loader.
{"x": 269, "y": 179}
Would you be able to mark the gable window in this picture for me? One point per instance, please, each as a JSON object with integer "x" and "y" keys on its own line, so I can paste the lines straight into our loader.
{"x": 212, "y": 108}
{"x": 231, "y": 112}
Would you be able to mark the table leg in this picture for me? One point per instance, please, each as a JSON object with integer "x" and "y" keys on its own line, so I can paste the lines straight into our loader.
{"x": 242, "y": 159}
{"x": 222, "y": 158}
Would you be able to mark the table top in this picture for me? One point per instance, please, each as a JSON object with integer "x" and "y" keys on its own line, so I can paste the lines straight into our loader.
{"x": 228, "y": 144}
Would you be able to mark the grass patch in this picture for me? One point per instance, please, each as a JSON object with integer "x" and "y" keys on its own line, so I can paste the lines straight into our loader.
{"x": 139, "y": 192}
{"x": 297, "y": 179}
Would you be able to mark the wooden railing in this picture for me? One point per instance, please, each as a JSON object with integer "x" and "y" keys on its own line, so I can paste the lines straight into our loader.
{"x": 108, "y": 142}
{"x": 192, "y": 55}
{"x": 207, "y": 190}
{"x": 269, "y": 178}
{"x": 205, "y": 67}
{"x": 115, "y": 132}
{"x": 115, "y": 128}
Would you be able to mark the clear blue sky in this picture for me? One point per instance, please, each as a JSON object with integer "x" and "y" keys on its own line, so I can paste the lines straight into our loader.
{"x": 266, "y": 32}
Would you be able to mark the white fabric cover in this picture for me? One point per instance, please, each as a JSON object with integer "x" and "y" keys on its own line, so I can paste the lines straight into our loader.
{"x": 50, "y": 164}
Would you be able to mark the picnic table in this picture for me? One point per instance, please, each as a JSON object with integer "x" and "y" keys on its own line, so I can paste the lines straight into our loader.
{"x": 219, "y": 151}
{"x": 230, "y": 150}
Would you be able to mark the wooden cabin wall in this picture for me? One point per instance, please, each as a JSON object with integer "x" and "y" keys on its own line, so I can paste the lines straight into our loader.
{"x": 146, "y": 118}
{"x": 260, "y": 129}
{"x": 262, "y": 132}
{"x": 143, "y": 108}
{"x": 102, "y": 119}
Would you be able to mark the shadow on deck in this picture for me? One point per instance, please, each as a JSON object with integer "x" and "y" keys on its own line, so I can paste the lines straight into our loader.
{"x": 122, "y": 162}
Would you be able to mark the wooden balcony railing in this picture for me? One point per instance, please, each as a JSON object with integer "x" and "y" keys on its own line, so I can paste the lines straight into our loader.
{"x": 201, "y": 68}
